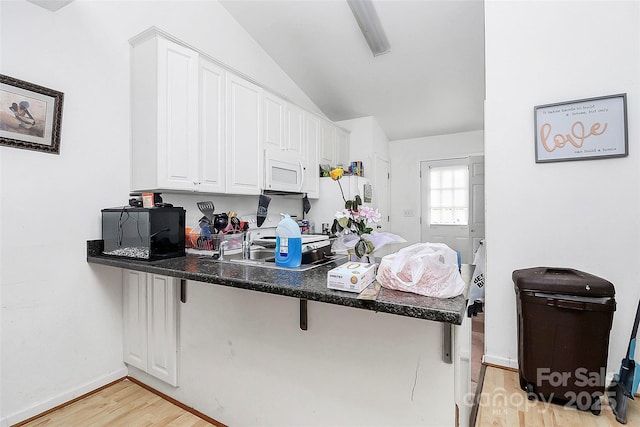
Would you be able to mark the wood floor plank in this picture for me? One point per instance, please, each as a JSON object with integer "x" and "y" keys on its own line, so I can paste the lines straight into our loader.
{"x": 124, "y": 403}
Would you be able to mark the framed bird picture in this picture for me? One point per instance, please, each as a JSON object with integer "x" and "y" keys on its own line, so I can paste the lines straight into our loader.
{"x": 30, "y": 115}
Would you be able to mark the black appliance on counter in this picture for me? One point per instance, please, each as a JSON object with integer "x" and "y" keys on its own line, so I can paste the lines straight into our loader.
{"x": 144, "y": 233}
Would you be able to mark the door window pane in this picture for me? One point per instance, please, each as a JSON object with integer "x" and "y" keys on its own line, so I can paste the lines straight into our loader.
{"x": 449, "y": 195}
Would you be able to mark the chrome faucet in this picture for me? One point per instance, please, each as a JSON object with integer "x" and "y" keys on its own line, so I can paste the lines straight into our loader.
{"x": 221, "y": 249}
{"x": 246, "y": 245}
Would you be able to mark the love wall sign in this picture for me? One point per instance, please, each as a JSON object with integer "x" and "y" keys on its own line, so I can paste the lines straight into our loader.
{"x": 594, "y": 128}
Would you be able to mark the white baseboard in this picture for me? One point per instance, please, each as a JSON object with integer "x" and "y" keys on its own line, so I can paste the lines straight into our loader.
{"x": 67, "y": 396}
{"x": 500, "y": 361}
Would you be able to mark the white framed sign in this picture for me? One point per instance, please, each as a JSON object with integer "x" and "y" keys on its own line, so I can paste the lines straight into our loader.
{"x": 585, "y": 129}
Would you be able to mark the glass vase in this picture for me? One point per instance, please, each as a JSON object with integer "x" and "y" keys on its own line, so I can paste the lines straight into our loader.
{"x": 365, "y": 259}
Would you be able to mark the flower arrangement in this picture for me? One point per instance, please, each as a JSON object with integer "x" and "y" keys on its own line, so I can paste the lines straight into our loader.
{"x": 352, "y": 224}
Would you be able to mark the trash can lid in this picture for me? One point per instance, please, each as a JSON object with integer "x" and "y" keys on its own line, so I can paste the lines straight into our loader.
{"x": 566, "y": 281}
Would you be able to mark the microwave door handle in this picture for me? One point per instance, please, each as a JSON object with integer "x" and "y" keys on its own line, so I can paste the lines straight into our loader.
{"x": 301, "y": 175}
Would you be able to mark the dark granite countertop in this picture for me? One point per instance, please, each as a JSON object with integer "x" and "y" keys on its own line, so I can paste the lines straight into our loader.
{"x": 308, "y": 285}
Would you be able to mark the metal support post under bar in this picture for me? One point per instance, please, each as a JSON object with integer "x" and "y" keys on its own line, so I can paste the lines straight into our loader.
{"x": 447, "y": 343}
{"x": 303, "y": 314}
{"x": 183, "y": 291}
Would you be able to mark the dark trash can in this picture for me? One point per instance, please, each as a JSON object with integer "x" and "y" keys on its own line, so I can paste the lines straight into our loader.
{"x": 564, "y": 320}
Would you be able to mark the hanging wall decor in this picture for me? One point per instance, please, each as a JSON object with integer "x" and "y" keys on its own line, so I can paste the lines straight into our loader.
{"x": 30, "y": 115}
{"x": 593, "y": 128}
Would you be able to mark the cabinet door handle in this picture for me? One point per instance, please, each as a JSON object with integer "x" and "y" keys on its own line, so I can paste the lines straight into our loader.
{"x": 570, "y": 305}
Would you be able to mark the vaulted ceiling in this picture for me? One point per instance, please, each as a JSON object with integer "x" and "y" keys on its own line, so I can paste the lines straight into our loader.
{"x": 431, "y": 83}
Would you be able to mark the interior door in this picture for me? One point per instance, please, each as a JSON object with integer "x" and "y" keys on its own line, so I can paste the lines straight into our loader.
{"x": 476, "y": 202}
{"x": 445, "y": 204}
{"x": 380, "y": 198}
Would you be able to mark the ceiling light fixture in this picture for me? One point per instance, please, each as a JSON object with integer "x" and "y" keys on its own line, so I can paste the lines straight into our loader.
{"x": 370, "y": 25}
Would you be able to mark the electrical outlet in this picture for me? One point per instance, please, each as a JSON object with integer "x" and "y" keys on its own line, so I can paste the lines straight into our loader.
{"x": 408, "y": 212}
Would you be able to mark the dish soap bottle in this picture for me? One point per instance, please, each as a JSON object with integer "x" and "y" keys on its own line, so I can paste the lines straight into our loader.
{"x": 288, "y": 243}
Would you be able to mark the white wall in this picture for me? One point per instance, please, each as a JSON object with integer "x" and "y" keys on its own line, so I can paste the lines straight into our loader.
{"x": 61, "y": 317}
{"x": 406, "y": 155}
{"x": 368, "y": 143}
{"x": 366, "y": 140}
{"x": 581, "y": 214}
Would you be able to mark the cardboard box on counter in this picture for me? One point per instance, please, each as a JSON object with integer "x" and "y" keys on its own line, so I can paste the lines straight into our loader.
{"x": 351, "y": 276}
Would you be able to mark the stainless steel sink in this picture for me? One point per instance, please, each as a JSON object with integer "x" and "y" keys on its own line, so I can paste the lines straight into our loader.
{"x": 266, "y": 258}
{"x": 262, "y": 254}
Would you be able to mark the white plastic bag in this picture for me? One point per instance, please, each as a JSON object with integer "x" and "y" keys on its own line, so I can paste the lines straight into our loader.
{"x": 429, "y": 269}
{"x": 477, "y": 281}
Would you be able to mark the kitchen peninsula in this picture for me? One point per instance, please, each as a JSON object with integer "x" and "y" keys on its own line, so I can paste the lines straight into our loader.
{"x": 308, "y": 285}
{"x": 243, "y": 359}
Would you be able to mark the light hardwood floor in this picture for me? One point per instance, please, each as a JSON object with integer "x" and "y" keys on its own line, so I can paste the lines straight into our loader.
{"x": 124, "y": 403}
{"x": 503, "y": 403}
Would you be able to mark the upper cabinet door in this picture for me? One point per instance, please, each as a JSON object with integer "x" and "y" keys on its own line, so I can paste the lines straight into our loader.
{"x": 273, "y": 133}
{"x": 212, "y": 159}
{"x": 327, "y": 144}
{"x": 311, "y": 141}
{"x": 177, "y": 116}
{"x": 283, "y": 125}
{"x": 164, "y": 103}
{"x": 342, "y": 148}
{"x": 294, "y": 130}
{"x": 244, "y": 148}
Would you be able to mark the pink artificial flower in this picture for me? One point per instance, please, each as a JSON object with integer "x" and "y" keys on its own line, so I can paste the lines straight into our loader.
{"x": 369, "y": 214}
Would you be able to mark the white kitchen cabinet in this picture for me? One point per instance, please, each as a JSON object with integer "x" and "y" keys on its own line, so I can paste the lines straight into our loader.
{"x": 327, "y": 144}
{"x": 150, "y": 306}
{"x": 310, "y": 159}
{"x": 135, "y": 318}
{"x": 243, "y": 128}
{"x": 294, "y": 130}
{"x": 197, "y": 126}
{"x": 164, "y": 121}
{"x": 273, "y": 113}
{"x": 334, "y": 145}
{"x": 283, "y": 126}
{"x": 342, "y": 148}
{"x": 212, "y": 137}
{"x": 178, "y": 106}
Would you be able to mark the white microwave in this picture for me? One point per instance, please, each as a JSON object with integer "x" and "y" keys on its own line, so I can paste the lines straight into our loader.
{"x": 283, "y": 172}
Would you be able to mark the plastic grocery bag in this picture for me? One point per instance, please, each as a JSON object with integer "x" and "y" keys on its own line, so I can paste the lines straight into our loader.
{"x": 476, "y": 293}
{"x": 429, "y": 269}
{"x": 477, "y": 280}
